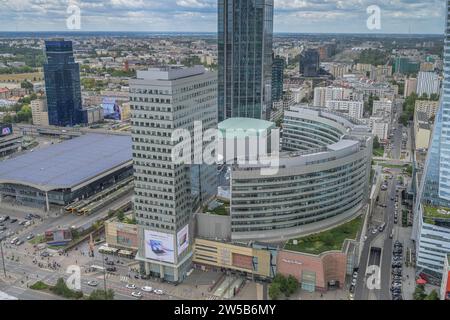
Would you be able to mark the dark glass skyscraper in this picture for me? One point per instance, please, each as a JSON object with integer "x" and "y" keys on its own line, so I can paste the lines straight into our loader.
{"x": 309, "y": 63}
{"x": 245, "y": 58}
{"x": 277, "y": 78}
{"x": 62, "y": 84}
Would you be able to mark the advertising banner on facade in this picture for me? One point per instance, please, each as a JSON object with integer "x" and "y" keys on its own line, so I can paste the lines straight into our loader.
{"x": 111, "y": 110}
{"x": 159, "y": 246}
{"x": 5, "y": 129}
{"x": 183, "y": 239}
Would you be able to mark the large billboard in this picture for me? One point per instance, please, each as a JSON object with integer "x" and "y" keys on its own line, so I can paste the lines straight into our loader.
{"x": 111, "y": 109}
{"x": 159, "y": 246}
{"x": 5, "y": 129}
{"x": 183, "y": 239}
{"x": 58, "y": 237}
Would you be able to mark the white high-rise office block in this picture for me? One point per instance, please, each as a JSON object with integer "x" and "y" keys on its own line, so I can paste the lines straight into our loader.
{"x": 162, "y": 101}
{"x": 324, "y": 94}
{"x": 429, "y": 83}
{"x": 354, "y": 109}
{"x": 383, "y": 106}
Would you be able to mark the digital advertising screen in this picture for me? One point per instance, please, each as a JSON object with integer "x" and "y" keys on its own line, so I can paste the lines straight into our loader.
{"x": 183, "y": 239}
{"x": 159, "y": 246}
{"x": 111, "y": 110}
{"x": 6, "y": 130}
{"x": 55, "y": 237}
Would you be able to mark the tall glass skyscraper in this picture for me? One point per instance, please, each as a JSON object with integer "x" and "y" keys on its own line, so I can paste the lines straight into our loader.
{"x": 432, "y": 210}
{"x": 309, "y": 63}
{"x": 62, "y": 84}
{"x": 277, "y": 78}
{"x": 245, "y": 31}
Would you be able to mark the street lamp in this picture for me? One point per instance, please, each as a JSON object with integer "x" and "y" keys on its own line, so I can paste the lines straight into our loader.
{"x": 3, "y": 258}
{"x": 104, "y": 275}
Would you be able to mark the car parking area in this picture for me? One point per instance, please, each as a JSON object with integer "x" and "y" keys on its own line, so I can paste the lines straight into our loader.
{"x": 397, "y": 271}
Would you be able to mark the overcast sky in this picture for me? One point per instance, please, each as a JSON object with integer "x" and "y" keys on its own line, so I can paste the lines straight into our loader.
{"x": 321, "y": 16}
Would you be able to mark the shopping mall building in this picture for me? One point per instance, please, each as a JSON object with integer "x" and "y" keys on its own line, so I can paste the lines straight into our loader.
{"x": 322, "y": 179}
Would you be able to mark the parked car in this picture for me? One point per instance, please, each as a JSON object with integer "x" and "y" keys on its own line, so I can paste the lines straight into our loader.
{"x": 137, "y": 294}
{"x": 30, "y": 236}
{"x": 19, "y": 242}
{"x": 92, "y": 283}
{"x": 147, "y": 289}
{"x": 158, "y": 291}
{"x": 13, "y": 220}
{"x": 14, "y": 240}
{"x": 111, "y": 269}
{"x": 130, "y": 286}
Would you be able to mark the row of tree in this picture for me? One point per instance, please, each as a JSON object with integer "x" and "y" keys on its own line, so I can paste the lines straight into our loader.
{"x": 282, "y": 285}
{"x": 420, "y": 294}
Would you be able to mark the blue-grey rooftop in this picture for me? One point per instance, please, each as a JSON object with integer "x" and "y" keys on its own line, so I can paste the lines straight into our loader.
{"x": 69, "y": 163}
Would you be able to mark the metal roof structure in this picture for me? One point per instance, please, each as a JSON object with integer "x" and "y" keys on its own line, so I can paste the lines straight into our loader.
{"x": 69, "y": 164}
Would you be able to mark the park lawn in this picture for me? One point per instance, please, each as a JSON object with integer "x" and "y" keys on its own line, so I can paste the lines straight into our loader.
{"x": 40, "y": 238}
{"x": 220, "y": 211}
{"x": 378, "y": 152}
{"x": 432, "y": 212}
{"x": 332, "y": 239}
{"x": 392, "y": 166}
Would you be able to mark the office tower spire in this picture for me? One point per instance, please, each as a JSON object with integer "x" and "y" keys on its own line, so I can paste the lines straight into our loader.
{"x": 245, "y": 58}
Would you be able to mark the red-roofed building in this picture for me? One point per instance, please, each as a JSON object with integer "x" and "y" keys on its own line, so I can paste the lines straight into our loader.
{"x": 5, "y": 93}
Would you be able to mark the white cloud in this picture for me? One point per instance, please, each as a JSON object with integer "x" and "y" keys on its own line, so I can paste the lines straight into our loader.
{"x": 426, "y": 16}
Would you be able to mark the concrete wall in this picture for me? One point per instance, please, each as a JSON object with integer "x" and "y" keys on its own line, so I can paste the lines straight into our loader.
{"x": 327, "y": 266}
{"x": 211, "y": 226}
{"x": 113, "y": 229}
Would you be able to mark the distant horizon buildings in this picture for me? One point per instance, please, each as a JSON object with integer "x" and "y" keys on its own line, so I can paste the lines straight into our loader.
{"x": 245, "y": 34}
{"x": 62, "y": 84}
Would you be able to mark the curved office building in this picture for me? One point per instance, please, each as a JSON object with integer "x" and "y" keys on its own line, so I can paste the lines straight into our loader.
{"x": 322, "y": 179}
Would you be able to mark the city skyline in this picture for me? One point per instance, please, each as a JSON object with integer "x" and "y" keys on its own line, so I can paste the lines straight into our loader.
{"x": 404, "y": 17}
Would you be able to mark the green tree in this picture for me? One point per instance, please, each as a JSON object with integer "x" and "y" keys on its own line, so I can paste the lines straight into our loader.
{"x": 274, "y": 291}
{"x": 291, "y": 285}
{"x": 376, "y": 143}
{"x": 26, "y": 85}
{"x": 432, "y": 296}
{"x": 120, "y": 215}
{"x": 62, "y": 290}
{"x": 419, "y": 293}
{"x": 409, "y": 170}
{"x": 99, "y": 294}
{"x": 434, "y": 97}
{"x": 282, "y": 281}
{"x": 24, "y": 115}
{"x": 8, "y": 118}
